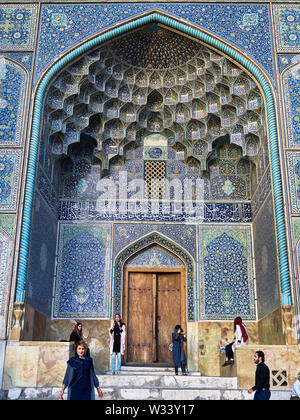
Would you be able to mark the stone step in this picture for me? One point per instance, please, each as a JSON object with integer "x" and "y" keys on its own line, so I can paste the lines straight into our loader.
{"x": 166, "y": 381}
{"x": 145, "y": 394}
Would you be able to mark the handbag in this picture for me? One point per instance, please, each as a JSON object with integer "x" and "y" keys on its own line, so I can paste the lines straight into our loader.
{"x": 171, "y": 347}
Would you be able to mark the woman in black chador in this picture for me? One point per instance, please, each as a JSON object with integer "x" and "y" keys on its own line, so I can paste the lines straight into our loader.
{"x": 80, "y": 378}
{"x": 178, "y": 340}
{"x": 117, "y": 335}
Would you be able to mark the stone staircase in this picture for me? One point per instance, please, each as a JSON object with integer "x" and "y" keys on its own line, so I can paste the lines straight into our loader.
{"x": 153, "y": 383}
{"x": 160, "y": 383}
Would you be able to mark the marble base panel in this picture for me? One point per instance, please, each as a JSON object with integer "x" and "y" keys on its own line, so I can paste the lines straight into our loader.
{"x": 213, "y": 336}
{"x": 95, "y": 333}
{"x": 283, "y": 362}
{"x": 35, "y": 364}
{"x": 270, "y": 329}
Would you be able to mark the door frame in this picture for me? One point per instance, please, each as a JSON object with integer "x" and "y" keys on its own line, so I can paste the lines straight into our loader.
{"x": 182, "y": 271}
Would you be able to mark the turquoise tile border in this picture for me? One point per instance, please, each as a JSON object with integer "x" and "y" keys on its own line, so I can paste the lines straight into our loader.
{"x": 196, "y": 33}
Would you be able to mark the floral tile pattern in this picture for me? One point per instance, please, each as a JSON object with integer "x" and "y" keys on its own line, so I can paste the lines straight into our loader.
{"x": 291, "y": 92}
{"x": 4, "y": 280}
{"x": 83, "y": 271}
{"x": 63, "y": 26}
{"x": 226, "y": 273}
{"x": 17, "y": 26}
{"x": 287, "y": 20}
{"x": 10, "y": 162}
{"x": 13, "y": 83}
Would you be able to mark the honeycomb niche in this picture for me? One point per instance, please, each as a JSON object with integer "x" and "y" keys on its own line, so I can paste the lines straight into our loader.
{"x": 149, "y": 81}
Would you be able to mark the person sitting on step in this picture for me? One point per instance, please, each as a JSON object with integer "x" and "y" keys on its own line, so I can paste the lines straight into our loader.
{"x": 240, "y": 339}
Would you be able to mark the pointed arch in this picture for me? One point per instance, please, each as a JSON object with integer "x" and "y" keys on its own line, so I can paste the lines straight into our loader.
{"x": 209, "y": 40}
{"x": 137, "y": 246}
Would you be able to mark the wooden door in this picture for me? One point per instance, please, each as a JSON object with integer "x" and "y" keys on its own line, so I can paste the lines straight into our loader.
{"x": 153, "y": 304}
{"x": 141, "y": 313}
{"x": 168, "y": 312}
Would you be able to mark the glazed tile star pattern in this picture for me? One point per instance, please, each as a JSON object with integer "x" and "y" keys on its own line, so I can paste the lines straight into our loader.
{"x": 10, "y": 162}
{"x": 13, "y": 83}
{"x": 226, "y": 273}
{"x": 17, "y": 27}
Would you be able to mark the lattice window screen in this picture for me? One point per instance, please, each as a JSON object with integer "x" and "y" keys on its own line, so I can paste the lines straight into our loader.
{"x": 155, "y": 179}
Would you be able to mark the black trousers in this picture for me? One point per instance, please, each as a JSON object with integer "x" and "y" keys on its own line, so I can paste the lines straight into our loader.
{"x": 228, "y": 351}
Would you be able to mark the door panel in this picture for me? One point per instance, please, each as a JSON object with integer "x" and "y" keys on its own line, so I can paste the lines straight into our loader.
{"x": 154, "y": 306}
{"x": 140, "y": 336}
{"x": 168, "y": 312}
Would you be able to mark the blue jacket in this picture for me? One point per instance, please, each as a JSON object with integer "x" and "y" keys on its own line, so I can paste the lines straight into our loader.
{"x": 74, "y": 373}
{"x": 178, "y": 349}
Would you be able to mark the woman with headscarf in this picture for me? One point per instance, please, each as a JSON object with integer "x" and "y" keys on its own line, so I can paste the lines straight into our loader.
{"x": 178, "y": 340}
{"x": 76, "y": 334}
{"x": 240, "y": 339}
{"x": 80, "y": 378}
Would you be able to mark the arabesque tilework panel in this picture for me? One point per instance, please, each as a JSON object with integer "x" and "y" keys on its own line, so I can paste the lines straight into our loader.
{"x": 13, "y": 83}
{"x": 226, "y": 279}
{"x": 83, "y": 271}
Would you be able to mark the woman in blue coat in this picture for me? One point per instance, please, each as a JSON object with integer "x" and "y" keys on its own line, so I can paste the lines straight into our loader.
{"x": 80, "y": 378}
{"x": 178, "y": 340}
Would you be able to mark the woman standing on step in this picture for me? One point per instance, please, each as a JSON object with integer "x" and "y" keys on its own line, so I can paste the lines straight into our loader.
{"x": 80, "y": 378}
{"x": 117, "y": 335}
{"x": 178, "y": 340}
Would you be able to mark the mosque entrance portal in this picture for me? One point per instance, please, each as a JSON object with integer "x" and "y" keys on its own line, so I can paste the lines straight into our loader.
{"x": 154, "y": 302}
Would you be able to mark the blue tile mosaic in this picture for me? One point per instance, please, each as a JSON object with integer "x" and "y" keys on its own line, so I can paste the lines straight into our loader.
{"x": 226, "y": 273}
{"x": 125, "y": 234}
{"x": 286, "y": 60}
{"x": 287, "y": 27}
{"x": 291, "y": 92}
{"x": 10, "y": 165}
{"x": 83, "y": 271}
{"x": 64, "y": 26}
{"x": 208, "y": 212}
{"x": 13, "y": 83}
{"x": 5, "y": 249}
{"x": 17, "y": 26}
{"x": 293, "y": 167}
{"x": 23, "y": 58}
{"x": 154, "y": 257}
{"x": 39, "y": 288}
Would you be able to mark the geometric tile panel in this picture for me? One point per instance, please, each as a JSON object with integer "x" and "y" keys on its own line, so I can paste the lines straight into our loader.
{"x": 4, "y": 281}
{"x": 13, "y": 83}
{"x": 17, "y": 27}
{"x": 226, "y": 273}
{"x": 287, "y": 27}
{"x": 10, "y": 163}
{"x": 293, "y": 168}
{"x": 83, "y": 271}
{"x": 291, "y": 92}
